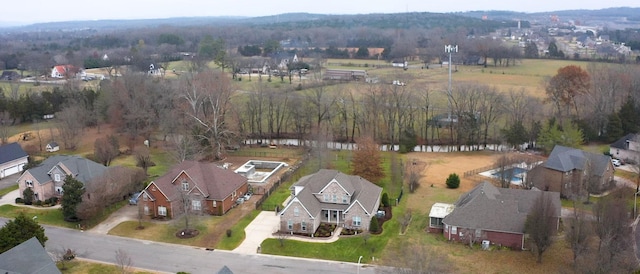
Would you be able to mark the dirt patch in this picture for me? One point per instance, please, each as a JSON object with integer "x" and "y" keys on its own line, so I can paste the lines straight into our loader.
{"x": 187, "y": 233}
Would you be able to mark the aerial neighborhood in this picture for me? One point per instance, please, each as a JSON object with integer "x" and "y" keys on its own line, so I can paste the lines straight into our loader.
{"x": 416, "y": 142}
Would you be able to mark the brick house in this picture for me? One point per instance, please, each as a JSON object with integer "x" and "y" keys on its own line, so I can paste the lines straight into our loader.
{"x": 567, "y": 171}
{"x": 12, "y": 159}
{"x": 206, "y": 188}
{"x": 47, "y": 178}
{"x": 495, "y": 214}
{"x": 329, "y": 196}
{"x": 626, "y": 148}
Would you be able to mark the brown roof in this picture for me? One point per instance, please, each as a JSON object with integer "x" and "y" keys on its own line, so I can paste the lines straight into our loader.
{"x": 215, "y": 182}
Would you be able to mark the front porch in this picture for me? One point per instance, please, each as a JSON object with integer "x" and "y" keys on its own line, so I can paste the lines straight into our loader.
{"x": 331, "y": 216}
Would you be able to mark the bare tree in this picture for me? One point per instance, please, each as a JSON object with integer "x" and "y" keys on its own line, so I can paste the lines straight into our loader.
{"x": 540, "y": 225}
{"x": 405, "y": 220}
{"x": 282, "y": 238}
{"x": 123, "y": 261}
{"x": 62, "y": 255}
{"x": 505, "y": 168}
{"x": 611, "y": 226}
{"x": 106, "y": 149}
{"x": 578, "y": 233}
{"x": 472, "y": 235}
{"x": 5, "y": 129}
{"x": 71, "y": 124}
{"x": 143, "y": 158}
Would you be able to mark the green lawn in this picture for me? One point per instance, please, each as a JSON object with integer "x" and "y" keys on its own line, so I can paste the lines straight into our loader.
{"x": 44, "y": 216}
{"x": 6, "y": 190}
{"x": 85, "y": 267}
{"x": 237, "y": 232}
{"x": 166, "y": 231}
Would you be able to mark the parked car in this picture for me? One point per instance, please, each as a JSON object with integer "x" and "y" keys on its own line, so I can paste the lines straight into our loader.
{"x": 247, "y": 196}
{"x": 616, "y": 162}
{"x": 134, "y": 198}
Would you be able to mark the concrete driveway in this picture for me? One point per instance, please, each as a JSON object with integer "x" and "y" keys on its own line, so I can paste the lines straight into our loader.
{"x": 261, "y": 228}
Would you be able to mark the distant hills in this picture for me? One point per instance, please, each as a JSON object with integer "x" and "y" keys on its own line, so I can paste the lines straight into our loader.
{"x": 308, "y": 20}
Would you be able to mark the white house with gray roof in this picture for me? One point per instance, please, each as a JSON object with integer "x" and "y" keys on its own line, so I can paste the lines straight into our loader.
{"x": 47, "y": 178}
{"x": 626, "y": 148}
{"x": 329, "y": 196}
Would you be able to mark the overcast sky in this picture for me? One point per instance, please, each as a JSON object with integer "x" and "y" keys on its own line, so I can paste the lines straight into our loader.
{"x": 33, "y": 11}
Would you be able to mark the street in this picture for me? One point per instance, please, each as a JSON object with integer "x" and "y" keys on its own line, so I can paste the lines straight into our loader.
{"x": 174, "y": 258}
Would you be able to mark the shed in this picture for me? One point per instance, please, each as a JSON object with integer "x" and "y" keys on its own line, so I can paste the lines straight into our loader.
{"x": 52, "y": 146}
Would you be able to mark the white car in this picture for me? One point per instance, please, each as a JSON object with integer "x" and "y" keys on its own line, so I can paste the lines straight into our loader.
{"x": 616, "y": 162}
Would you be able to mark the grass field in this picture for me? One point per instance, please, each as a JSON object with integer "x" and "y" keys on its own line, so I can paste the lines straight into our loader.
{"x": 78, "y": 266}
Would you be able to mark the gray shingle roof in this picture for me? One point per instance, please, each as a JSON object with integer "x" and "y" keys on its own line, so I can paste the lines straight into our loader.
{"x": 622, "y": 142}
{"x": 10, "y": 152}
{"x": 28, "y": 257}
{"x": 84, "y": 170}
{"x": 487, "y": 207}
{"x": 361, "y": 190}
{"x": 566, "y": 159}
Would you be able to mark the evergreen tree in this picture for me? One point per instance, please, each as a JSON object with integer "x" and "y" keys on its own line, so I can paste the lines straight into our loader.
{"x": 385, "y": 199}
{"x": 614, "y": 128}
{"x": 629, "y": 116}
{"x": 553, "y": 49}
{"x": 17, "y": 231}
{"x": 362, "y": 53}
{"x": 516, "y": 134}
{"x": 373, "y": 226}
{"x": 531, "y": 50}
{"x": 71, "y": 197}
{"x": 453, "y": 181}
{"x": 27, "y": 195}
{"x": 408, "y": 141}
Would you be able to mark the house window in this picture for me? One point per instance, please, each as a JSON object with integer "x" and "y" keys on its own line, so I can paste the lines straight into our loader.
{"x": 357, "y": 221}
{"x": 296, "y": 211}
{"x": 153, "y": 188}
{"x": 325, "y": 197}
{"x": 290, "y": 225}
{"x": 185, "y": 186}
{"x": 146, "y": 210}
{"x": 215, "y": 204}
{"x": 145, "y": 197}
{"x": 436, "y": 222}
{"x": 234, "y": 193}
{"x": 56, "y": 177}
{"x": 59, "y": 190}
{"x": 29, "y": 183}
{"x": 195, "y": 205}
{"x": 303, "y": 226}
{"x": 335, "y": 198}
{"x": 454, "y": 229}
{"x": 478, "y": 233}
{"x": 344, "y": 199}
{"x": 162, "y": 211}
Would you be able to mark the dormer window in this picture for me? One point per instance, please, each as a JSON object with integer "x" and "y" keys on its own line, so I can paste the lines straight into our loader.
{"x": 185, "y": 186}
{"x": 29, "y": 183}
{"x": 56, "y": 177}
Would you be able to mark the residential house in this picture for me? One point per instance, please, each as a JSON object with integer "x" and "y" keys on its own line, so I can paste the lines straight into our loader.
{"x": 155, "y": 70}
{"x": 329, "y": 196}
{"x": 52, "y": 147}
{"x": 436, "y": 215}
{"x": 285, "y": 60}
{"x": 28, "y": 257}
{"x": 570, "y": 171}
{"x": 626, "y": 148}
{"x": 497, "y": 215}
{"x": 206, "y": 187}
{"x": 47, "y": 178}
{"x": 12, "y": 159}
{"x": 66, "y": 71}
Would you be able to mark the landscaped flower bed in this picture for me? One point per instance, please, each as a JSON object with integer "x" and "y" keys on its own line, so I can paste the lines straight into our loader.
{"x": 325, "y": 230}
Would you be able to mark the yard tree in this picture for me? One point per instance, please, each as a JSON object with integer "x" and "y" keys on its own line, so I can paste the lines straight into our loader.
{"x": 505, "y": 166}
{"x": 208, "y": 96}
{"x": 614, "y": 127}
{"x": 143, "y": 158}
{"x": 362, "y": 53}
{"x": 27, "y": 196}
{"x": 515, "y": 135}
{"x": 71, "y": 197}
{"x": 562, "y": 89}
{"x": 367, "y": 161}
{"x": 629, "y": 116}
{"x": 373, "y": 225}
{"x": 578, "y": 233}
{"x": 540, "y": 225}
{"x": 70, "y": 124}
{"x": 570, "y": 135}
{"x": 18, "y": 230}
{"x": 453, "y": 181}
{"x": 612, "y": 228}
{"x": 106, "y": 149}
{"x": 531, "y": 50}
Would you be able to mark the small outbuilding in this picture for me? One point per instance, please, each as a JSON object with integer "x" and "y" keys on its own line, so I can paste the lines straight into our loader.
{"x": 437, "y": 214}
{"x": 52, "y": 147}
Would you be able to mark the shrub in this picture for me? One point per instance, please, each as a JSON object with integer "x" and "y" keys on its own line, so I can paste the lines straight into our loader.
{"x": 28, "y": 196}
{"x": 453, "y": 181}
{"x": 229, "y": 232}
{"x": 38, "y": 203}
{"x": 373, "y": 226}
{"x": 385, "y": 199}
{"x": 19, "y": 200}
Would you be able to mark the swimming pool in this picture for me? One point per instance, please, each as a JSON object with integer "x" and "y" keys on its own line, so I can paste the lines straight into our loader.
{"x": 515, "y": 172}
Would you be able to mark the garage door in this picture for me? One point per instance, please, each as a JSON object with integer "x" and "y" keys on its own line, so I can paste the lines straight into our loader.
{"x": 11, "y": 170}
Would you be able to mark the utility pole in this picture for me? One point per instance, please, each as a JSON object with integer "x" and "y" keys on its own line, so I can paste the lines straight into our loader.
{"x": 450, "y": 49}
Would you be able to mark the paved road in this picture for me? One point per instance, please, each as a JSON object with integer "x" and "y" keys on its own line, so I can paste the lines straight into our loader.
{"x": 173, "y": 258}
